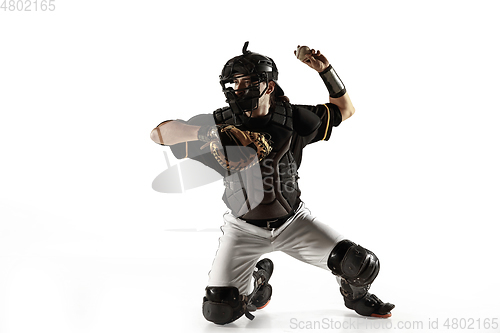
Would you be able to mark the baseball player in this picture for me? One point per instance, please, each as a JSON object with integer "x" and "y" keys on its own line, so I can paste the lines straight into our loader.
{"x": 256, "y": 144}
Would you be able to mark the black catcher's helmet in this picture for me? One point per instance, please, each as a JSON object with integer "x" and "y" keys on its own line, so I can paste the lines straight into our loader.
{"x": 260, "y": 69}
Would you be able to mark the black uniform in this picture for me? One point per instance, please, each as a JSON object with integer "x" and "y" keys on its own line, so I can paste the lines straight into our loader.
{"x": 290, "y": 128}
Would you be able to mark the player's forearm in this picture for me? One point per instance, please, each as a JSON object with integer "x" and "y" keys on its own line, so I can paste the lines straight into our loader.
{"x": 337, "y": 91}
{"x": 345, "y": 105}
{"x": 173, "y": 132}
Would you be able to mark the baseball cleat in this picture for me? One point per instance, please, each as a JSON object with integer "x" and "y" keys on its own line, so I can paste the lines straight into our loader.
{"x": 370, "y": 306}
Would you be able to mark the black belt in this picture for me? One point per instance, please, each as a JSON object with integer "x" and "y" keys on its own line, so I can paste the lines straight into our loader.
{"x": 275, "y": 223}
{"x": 270, "y": 224}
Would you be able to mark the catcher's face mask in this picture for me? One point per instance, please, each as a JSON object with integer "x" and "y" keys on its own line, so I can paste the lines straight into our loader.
{"x": 244, "y": 91}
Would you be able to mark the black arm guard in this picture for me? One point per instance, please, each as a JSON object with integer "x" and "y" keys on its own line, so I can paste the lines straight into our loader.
{"x": 333, "y": 83}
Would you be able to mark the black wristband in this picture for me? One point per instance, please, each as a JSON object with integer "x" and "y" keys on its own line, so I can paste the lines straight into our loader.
{"x": 332, "y": 82}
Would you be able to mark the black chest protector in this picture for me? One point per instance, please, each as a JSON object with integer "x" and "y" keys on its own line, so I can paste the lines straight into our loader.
{"x": 270, "y": 189}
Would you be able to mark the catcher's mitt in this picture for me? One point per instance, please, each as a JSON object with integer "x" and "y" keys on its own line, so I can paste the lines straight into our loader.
{"x": 238, "y": 150}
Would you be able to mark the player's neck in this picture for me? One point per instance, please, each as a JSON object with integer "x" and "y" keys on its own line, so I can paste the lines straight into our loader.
{"x": 261, "y": 111}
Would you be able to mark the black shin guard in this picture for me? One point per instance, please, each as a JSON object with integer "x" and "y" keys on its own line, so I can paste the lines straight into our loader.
{"x": 358, "y": 268}
{"x": 351, "y": 292}
{"x": 262, "y": 292}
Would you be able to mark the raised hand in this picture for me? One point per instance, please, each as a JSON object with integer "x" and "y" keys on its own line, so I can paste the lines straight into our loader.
{"x": 314, "y": 59}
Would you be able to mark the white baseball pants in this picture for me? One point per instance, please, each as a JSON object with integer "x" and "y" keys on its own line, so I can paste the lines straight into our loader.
{"x": 242, "y": 244}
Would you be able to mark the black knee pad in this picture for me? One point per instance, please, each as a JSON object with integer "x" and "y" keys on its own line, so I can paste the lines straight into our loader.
{"x": 354, "y": 263}
{"x": 223, "y": 305}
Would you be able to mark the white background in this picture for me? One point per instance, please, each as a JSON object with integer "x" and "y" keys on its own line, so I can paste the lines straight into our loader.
{"x": 86, "y": 245}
